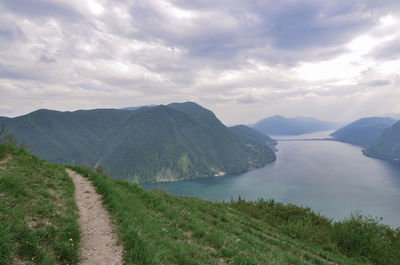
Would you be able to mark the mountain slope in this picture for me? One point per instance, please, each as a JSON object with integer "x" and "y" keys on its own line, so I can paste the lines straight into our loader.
{"x": 386, "y": 145}
{"x": 253, "y": 135}
{"x": 65, "y": 137}
{"x": 163, "y": 144}
{"x": 363, "y": 131}
{"x": 279, "y": 125}
{"x": 160, "y": 143}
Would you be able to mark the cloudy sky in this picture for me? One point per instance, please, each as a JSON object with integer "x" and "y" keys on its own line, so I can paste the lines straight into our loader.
{"x": 245, "y": 60}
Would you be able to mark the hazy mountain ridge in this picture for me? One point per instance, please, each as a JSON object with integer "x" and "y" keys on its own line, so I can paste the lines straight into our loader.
{"x": 160, "y": 143}
{"x": 279, "y": 125}
{"x": 386, "y": 145}
{"x": 362, "y": 131}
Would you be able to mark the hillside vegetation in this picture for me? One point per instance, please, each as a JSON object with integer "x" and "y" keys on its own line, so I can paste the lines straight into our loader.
{"x": 253, "y": 135}
{"x": 157, "y": 228}
{"x": 279, "y": 125}
{"x": 38, "y": 216}
{"x": 149, "y": 144}
{"x": 38, "y": 224}
{"x": 363, "y": 131}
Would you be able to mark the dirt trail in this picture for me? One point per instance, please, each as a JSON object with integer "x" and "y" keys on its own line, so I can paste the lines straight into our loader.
{"x": 98, "y": 242}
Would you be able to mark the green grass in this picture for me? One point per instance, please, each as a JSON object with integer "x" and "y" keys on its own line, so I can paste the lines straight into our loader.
{"x": 358, "y": 236}
{"x": 157, "y": 228}
{"x": 38, "y": 216}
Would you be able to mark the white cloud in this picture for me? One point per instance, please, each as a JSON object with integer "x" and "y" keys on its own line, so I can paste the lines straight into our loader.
{"x": 95, "y": 7}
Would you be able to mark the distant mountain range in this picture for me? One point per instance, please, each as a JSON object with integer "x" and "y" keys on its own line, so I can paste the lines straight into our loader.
{"x": 363, "y": 131}
{"x": 379, "y": 137}
{"x": 279, "y": 125}
{"x": 149, "y": 144}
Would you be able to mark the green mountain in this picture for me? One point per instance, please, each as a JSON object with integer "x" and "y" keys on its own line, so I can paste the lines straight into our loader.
{"x": 160, "y": 143}
{"x": 65, "y": 137}
{"x": 386, "y": 145}
{"x": 279, "y": 125}
{"x": 363, "y": 131}
{"x": 254, "y": 135}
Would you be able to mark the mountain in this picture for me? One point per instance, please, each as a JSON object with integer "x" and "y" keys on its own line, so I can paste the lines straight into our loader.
{"x": 386, "y": 145}
{"x": 160, "y": 143}
{"x": 363, "y": 131}
{"x": 65, "y": 137}
{"x": 279, "y": 125}
{"x": 178, "y": 141}
{"x": 254, "y": 135}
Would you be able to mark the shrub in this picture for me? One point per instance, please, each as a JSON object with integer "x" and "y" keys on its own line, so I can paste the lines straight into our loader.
{"x": 366, "y": 237}
{"x": 3, "y": 151}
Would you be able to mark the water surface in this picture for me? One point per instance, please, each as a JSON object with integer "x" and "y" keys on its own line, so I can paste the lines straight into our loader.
{"x": 330, "y": 177}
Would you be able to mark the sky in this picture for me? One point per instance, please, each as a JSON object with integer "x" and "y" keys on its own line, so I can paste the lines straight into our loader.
{"x": 245, "y": 60}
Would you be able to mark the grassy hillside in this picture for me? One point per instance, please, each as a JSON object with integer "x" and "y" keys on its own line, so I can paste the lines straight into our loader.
{"x": 38, "y": 216}
{"x": 363, "y": 131}
{"x": 160, "y": 143}
{"x": 157, "y": 228}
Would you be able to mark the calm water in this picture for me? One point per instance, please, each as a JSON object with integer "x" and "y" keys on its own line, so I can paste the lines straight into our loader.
{"x": 332, "y": 178}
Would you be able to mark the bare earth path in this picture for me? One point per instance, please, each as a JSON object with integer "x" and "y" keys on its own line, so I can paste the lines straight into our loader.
{"x": 98, "y": 242}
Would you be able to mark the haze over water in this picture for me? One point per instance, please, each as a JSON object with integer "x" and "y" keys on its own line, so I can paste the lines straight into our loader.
{"x": 330, "y": 177}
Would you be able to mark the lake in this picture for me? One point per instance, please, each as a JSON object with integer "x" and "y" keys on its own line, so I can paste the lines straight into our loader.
{"x": 330, "y": 177}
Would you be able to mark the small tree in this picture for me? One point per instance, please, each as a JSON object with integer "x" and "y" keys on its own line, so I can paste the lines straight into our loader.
{"x": 9, "y": 139}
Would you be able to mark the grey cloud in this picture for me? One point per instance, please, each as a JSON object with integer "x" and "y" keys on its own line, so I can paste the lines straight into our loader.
{"x": 9, "y": 31}
{"x": 47, "y": 59}
{"x": 7, "y": 71}
{"x": 379, "y": 82}
{"x": 38, "y": 8}
{"x": 388, "y": 51}
{"x": 247, "y": 100}
{"x": 309, "y": 25}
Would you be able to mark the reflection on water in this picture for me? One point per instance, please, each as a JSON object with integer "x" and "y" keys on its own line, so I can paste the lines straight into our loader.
{"x": 330, "y": 177}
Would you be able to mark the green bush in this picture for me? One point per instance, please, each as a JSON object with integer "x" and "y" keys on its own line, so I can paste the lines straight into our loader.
{"x": 365, "y": 237}
{"x": 3, "y": 151}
